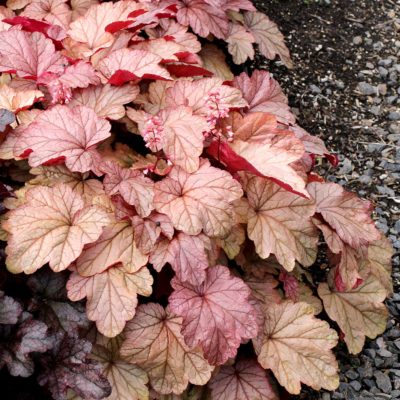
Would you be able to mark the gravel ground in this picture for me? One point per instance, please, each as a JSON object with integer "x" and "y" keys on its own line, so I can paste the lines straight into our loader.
{"x": 345, "y": 88}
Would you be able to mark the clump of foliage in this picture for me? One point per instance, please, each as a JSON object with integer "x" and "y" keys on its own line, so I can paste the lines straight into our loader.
{"x": 176, "y": 203}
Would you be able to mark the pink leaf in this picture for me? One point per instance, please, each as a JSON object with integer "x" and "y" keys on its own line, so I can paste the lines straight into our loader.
{"x": 29, "y": 55}
{"x": 240, "y": 43}
{"x": 198, "y": 201}
{"x": 290, "y": 285}
{"x": 203, "y": 18}
{"x": 186, "y": 255}
{"x": 124, "y": 65}
{"x": 134, "y": 187}
{"x": 64, "y": 133}
{"x": 56, "y": 12}
{"x": 264, "y": 94}
{"x": 243, "y": 381}
{"x": 216, "y": 314}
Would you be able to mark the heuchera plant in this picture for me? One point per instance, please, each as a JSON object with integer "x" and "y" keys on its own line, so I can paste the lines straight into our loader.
{"x": 178, "y": 202}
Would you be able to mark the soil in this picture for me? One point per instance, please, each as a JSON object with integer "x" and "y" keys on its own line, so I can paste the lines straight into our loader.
{"x": 335, "y": 46}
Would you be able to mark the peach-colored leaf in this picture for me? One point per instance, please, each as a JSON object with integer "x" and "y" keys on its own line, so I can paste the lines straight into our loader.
{"x": 106, "y": 100}
{"x": 279, "y": 222}
{"x": 231, "y": 244}
{"x": 132, "y": 185}
{"x": 263, "y": 289}
{"x": 56, "y": 12}
{"x": 66, "y": 134}
{"x": 154, "y": 342}
{"x": 17, "y": 100}
{"x": 194, "y": 94}
{"x": 28, "y": 54}
{"x": 245, "y": 380}
{"x": 52, "y": 226}
{"x": 89, "y": 29}
{"x": 17, "y": 4}
{"x": 296, "y": 346}
{"x": 240, "y": 43}
{"x": 198, "y": 201}
{"x": 115, "y": 245}
{"x": 269, "y": 150}
{"x": 5, "y": 12}
{"x": 214, "y": 60}
{"x": 306, "y": 295}
{"x": 216, "y": 314}
{"x": 348, "y": 215}
{"x": 185, "y": 254}
{"x": 378, "y": 263}
{"x": 127, "y": 381}
{"x": 183, "y": 137}
{"x": 111, "y": 296}
{"x": 264, "y": 94}
{"x": 359, "y": 312}
{"x": 270, "y": 40}
{"x": 202, "y": 18}
{"x": 126, "y": 64}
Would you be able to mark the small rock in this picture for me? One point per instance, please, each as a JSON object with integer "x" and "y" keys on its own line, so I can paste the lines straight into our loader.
{"x": 346, "y": 167}
{"x": 357, "y": 40}
{"x": 326, "y": 396}
{"x": 366, "y": 89}
{"x": 394, "y": 128}
{"x": 369, "y": 65}
{"x": 375, "y": 110}
{"x": 355, "y": 385}
{"x": 351, "y": 374}
{"x": 397, "y": 229}
{"x": 315, "y": 89}
{"x": 383, "y": 72}
{"x": 385, "y": 353}
{"x": 394, "y": 116}
{"x": 383, "y": 381}
{"x": 386, "y": 62}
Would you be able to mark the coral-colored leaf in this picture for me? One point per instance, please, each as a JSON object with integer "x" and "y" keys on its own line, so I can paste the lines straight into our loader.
{"x": 290, "y": 286}
{"x": 240, "y": 43}
{"x": 125, "y": 65}
{"x": 154, "y": 342}
{"x": 52, "y": 226}
{"x": 127, "y": 381}
{"x": 111, "y": 295}
{"x": 106, "y": 100}
{"x": 245, "y": 380}
{"x": 28, "y": 54}
{"x": 64, "y": 133}
{"x": 115, "y": 245}
{"x": 296, "y": 347}
{"x": 132, "y": 185}
{"x": 17, "y": 100}
{"x": 269, "y": 150}
{"x": 89, "y": 29}
{"x": 56, "y": 12}
{"x": 348, "y": 215}
{"x": 268, "y": 37}
{"x": 359, "y": 312}
{"x": 216, "y": 314}
{"x": 202, "y": 18}
{"x": 279, "y": 223}
{"x": 198, "y": 201}
{"x": 264, "y": 94}
{"x": 187, "y": 257}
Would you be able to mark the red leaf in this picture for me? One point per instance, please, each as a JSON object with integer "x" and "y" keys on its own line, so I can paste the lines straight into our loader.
{"x": 182, "y": 70}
